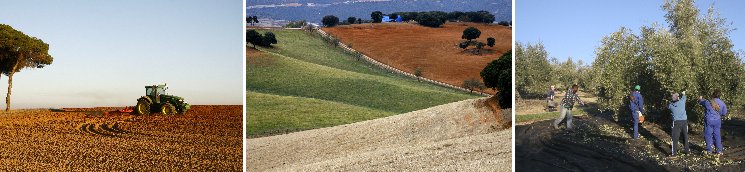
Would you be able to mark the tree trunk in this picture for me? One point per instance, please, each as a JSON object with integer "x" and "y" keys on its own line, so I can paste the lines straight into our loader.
{"x": 10, "y": 86}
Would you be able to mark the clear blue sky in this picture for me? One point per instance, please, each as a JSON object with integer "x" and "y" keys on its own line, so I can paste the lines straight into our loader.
{"x": 105, "y": 52}
{"x": 574, "y": 28}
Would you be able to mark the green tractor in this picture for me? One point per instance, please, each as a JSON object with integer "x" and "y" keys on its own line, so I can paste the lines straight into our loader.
{"x": 157, "y": 100}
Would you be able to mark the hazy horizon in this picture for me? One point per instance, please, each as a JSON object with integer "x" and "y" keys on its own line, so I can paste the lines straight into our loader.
{"x": 105, "y": 52}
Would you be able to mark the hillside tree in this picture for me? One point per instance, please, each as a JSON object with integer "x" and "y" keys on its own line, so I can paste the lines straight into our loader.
{"x": 254, "y": 37}
{"x": 377, "y": 16}
{"x": 490, "y": 41}
{"x": 498, "y": 76}
{"x": 429, "y": 20}
{"x": 268, "y": 39}
{"x": 471, "y": 33}
{"x": 330, "y": 21}
{"x": 473, "y": 84}
{"x": 351, "y": 20}
{"x": 418, "y": 73}
{"x": 455, "y": 15}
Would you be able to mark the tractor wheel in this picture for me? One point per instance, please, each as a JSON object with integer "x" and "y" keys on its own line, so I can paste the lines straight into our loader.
{"x": 143, "y": 107}
{"x": 167, "y": 109}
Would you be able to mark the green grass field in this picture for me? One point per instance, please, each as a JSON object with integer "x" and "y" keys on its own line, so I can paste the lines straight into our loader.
{"x": 273, "y": 114}
{"x": 308, "y": 48}
{"x": 303, "y": 83}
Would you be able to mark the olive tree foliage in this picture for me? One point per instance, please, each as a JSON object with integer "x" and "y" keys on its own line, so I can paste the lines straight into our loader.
{"x": 694, "y": 55}
{"x": 583, "y": 75}
{"x": 569, "y": 72}
{"x": 722, "y": 67}
{"x": 532, "y": 70}
{"x": 617, "y": 68}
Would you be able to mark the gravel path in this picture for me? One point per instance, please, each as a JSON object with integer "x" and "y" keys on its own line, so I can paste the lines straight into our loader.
{"x": 464, "y": 135}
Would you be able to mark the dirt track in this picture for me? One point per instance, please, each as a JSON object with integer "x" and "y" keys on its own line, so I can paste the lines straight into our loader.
{"x": 207, "y": 138}
{"x": 465, "y": 135}
{"x": 408, "y": 46}
{"x": 599, "y": 144}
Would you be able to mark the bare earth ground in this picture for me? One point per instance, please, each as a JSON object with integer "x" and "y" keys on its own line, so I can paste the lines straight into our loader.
{"x": 465, "y": 135}
{"x": 207, "y": 138}
{"x": 600, "y": 144}
{"x": 533, "y": 106}
{"x": 408, "y": 46}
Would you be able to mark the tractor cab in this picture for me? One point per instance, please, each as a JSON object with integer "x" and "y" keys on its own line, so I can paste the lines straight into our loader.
{"x": 154, "y": 91}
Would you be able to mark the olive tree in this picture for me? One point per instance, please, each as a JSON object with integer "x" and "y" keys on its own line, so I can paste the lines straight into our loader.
{"x": 532, "y": 70}
{"x": 695, "y": 54}
{"x": 617, "y": 68}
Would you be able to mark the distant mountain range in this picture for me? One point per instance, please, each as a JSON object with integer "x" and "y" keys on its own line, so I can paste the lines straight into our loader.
{"x": 313, "y": 10}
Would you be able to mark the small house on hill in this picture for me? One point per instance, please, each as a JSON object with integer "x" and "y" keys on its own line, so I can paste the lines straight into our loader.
{"x": 387, "y": 19}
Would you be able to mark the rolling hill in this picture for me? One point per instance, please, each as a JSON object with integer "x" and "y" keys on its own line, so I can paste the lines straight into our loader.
{"x": 304, "y": 83}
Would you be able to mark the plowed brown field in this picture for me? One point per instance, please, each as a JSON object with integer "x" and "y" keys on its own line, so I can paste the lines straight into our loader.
{"x": 207, "y": 138}
{"x": 435, "y": 50}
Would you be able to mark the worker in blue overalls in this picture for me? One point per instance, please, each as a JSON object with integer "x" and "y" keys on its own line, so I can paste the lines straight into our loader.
{"x": 714, "y": 110}
{"x": 637, "y": 108}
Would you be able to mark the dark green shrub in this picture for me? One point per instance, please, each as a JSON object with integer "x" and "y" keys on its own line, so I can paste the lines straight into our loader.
{"x": 498, "y": 75}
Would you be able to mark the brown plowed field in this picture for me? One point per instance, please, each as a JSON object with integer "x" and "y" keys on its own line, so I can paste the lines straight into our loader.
{"x": 207, "y": 138}
{"x": 408, "y": 46}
